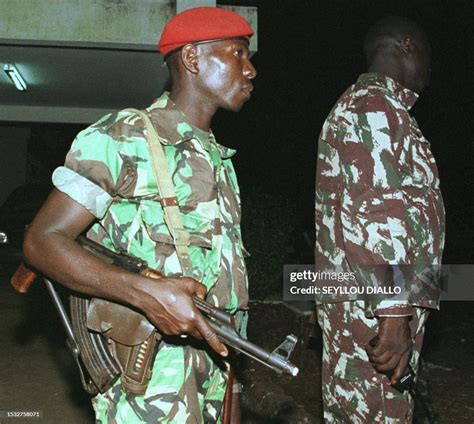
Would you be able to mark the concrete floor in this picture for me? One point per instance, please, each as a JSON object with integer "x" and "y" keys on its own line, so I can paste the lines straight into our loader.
{"x": 37, "y": 372}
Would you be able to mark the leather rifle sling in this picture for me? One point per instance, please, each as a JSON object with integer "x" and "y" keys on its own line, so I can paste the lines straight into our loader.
{"x": 169, "y": 201}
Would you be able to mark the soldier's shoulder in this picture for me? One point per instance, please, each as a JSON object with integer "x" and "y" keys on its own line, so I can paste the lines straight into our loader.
{"x": 120, "y": 126}
{"x": 368, "y": 99}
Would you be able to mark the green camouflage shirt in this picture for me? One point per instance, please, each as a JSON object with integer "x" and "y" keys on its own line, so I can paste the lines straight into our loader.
{"x": 108, "y": 170}
{"x": 377, "y": 189}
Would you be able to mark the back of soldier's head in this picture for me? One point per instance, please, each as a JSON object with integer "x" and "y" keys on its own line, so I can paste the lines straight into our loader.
{"x": 386, "y": 32}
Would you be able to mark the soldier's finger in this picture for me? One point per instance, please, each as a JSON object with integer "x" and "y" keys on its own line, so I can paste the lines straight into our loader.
{"x": 379, "y": 350}
{"x": 195, "y": 334}
{"x": 389, "y": 365}
{"x": 400, "y": 368}
{"x": 197, "y": 288}
{"x": 210, "y": 336}
{"x": 371, "y": 349}
{"x": 381, "y": 359}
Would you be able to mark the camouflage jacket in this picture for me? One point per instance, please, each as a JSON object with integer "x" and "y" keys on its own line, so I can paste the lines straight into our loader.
{"x": 108, "y": 170}
{"x": 377, "y": 189}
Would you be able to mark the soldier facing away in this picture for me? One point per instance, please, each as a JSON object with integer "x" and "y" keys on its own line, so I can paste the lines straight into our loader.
{"x": 108, "y": 189}
{"x": 378, "y": 202}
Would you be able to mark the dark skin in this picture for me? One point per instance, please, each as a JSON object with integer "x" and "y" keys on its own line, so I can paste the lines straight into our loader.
{"x": 407, "y": 61}
{"x": 212, "y": 76}
{"x": 205, "y": 77}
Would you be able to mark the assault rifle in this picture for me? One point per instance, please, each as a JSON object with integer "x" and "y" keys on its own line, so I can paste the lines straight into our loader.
{"x": 90, "y": 348}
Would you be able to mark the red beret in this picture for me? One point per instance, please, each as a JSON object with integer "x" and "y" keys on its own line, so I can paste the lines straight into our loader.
{"x": 202, "y": 24}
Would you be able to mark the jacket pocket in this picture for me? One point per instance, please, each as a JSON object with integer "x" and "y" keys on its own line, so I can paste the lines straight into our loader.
{"x": 200, "y": 228}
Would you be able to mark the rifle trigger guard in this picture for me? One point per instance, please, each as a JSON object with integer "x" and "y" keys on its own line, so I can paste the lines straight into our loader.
{"x": 285, "y": 349}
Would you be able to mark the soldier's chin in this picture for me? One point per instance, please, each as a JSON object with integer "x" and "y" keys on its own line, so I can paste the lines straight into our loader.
{"x": 234, "y": 108}
{"x": 422, "y": 86}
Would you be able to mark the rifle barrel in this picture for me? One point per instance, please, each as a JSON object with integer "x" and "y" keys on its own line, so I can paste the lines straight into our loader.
{"x": 272, "y": 360}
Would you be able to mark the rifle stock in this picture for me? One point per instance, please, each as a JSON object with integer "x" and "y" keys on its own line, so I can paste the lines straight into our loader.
{"x": 23, "y": 278}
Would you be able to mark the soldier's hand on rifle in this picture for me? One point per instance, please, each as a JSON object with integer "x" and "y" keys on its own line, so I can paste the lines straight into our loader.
{"x": 50, "y": 247}
{"x": 392, "y": 352}
{"x": 170, "y": 307}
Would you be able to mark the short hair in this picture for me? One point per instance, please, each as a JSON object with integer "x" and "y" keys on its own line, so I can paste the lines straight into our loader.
{"x": 173, "y": 63}
{"x": 391, "y": 28}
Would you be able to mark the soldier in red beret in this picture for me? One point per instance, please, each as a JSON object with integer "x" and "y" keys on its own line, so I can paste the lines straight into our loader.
{"x": 109, "y": 187}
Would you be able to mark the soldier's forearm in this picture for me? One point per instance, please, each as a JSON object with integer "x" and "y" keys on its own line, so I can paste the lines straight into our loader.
{"x": 59, "y": 257}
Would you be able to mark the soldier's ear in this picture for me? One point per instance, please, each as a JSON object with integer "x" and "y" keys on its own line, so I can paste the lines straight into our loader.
{"x": 189, "y": 58}
{"x": 406, "y": 44}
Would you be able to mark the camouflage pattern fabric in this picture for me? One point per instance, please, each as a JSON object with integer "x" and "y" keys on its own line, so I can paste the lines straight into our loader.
{"x": 186, "y": 387}
{"x": 353, "y": 391}
{"x": 377, "y": 202}
{"x": 108, "y": 170}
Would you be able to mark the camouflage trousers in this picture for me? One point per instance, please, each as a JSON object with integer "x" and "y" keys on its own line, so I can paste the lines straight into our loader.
{"x": 352, "y": 390}
{"x": 187, "y": 387}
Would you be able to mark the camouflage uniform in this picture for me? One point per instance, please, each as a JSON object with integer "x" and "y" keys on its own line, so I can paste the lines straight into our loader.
{"x": 377, "y": 202}
{"x": 109, "y": 171}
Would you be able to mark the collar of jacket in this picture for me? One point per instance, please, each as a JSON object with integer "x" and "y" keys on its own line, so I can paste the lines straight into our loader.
{"x": 171, "y": 125}
{"x": 406, "y": 97}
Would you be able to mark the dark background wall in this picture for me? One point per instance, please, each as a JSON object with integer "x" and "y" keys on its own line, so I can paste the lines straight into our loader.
{"x": 13, "y": 152}
{"x": 309, "y": 52}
